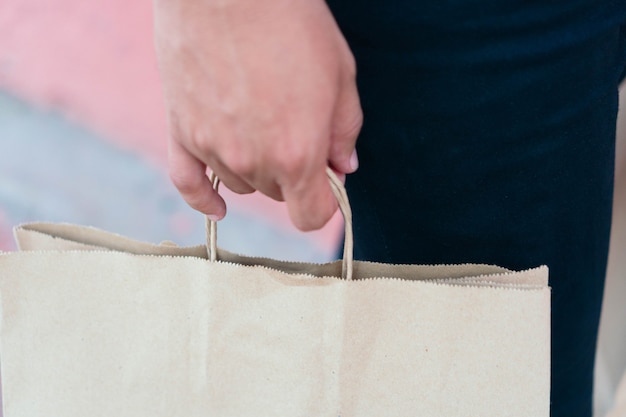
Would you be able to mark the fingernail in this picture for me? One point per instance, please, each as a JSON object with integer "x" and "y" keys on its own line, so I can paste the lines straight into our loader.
{"x": 214, "y": 218}
{"x": 354, "y": 161}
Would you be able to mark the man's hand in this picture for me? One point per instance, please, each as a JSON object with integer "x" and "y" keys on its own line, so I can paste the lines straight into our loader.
{"x": 263, "y": 93}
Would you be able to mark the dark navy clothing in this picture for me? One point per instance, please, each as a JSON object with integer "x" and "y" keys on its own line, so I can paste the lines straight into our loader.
{"x": 489, "y": 137}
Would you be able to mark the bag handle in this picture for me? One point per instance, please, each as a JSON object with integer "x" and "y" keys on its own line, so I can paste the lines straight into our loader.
{"x": 344, "y": 206}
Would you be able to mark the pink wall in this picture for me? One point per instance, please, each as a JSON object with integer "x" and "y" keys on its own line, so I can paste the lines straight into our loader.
{"x": 94, "y": 61}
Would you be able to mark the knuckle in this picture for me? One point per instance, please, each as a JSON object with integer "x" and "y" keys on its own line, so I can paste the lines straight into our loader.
{"x": 292, "y": 162}
{"x": 352, "y": 128}
{"x": 289, "y": 168}
{"x": 238, "y": 161}
{"x": 185, "y": 183}
{"x": 201, "y": 140}
{"x": 183, "y": 130}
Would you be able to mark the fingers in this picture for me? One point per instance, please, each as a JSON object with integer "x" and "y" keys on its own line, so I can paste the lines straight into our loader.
{"x": 231, "y": 180}
{"x": 346, "y": 125}
{"x": 310, "y": 201}
{"x": 311, "y": 206}
{"x": 189, "y": 176}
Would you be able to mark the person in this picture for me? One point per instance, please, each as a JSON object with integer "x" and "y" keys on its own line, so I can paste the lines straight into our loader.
{"x": 486, "y": 132}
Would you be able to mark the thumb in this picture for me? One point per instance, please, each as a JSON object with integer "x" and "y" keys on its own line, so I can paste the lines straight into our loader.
{"x": 346, "y": 125}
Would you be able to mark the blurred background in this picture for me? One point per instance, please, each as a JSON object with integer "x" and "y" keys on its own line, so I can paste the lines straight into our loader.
{"x": 83, "y": 134}
{"x": 83, "y": 140}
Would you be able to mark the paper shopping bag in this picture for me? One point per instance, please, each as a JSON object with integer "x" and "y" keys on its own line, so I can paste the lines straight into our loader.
{"x": 95, "y": 324}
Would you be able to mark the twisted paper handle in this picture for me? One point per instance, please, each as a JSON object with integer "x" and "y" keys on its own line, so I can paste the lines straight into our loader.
{"x": 344, "y": 205}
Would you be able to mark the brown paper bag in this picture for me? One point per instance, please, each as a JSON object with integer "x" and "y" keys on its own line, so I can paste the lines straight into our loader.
{"x": 95, "y": 324}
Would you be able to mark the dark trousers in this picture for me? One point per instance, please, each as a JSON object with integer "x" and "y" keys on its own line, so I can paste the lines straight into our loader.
{"x": 489, "y": 138}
